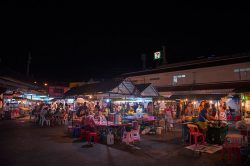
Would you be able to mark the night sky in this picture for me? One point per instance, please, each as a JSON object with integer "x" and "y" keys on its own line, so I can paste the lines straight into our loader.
{"x": 66, "y": 50}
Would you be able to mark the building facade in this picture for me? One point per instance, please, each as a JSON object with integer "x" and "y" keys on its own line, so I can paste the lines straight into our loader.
{"x": 231, "y": 71}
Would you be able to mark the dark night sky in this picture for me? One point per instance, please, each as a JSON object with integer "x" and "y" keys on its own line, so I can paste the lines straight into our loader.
{"x": 65, "y": 50}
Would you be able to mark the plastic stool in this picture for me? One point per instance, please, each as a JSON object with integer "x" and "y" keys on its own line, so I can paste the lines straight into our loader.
{"x": 70, "y": 128}
{"x": 237, "y": 118}
{"x": 76, "y": 131}
{"x": 90, "y": 135}
{"x": 82, "y": 134}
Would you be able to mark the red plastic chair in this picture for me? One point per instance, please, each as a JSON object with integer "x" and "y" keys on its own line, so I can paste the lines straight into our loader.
{"x": 194, "y": 131}
{"x": 229, "y": 117}
{"x": 83, "y": 134}
{"x": 90, "y": 135}
{"x": 237, "y": 118}
{"x": 232, "y": 145}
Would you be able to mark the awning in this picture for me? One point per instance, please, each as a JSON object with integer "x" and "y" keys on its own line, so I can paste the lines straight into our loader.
{"x": 147, "y": 90}
{"x": 242, "y": 90}
{"x": 198, "y": 96}
{"x": 114, "y": 87}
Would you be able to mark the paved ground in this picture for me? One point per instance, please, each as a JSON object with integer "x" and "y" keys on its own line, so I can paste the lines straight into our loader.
{"x": 23, "y": 143}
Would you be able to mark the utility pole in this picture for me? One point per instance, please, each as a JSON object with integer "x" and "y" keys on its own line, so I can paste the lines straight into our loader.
{"x": 28, "y": 64}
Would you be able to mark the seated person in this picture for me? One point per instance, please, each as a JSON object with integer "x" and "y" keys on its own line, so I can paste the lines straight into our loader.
{"x": 122, "y": 109}
{"x": 102, "y": 118}
{"x": 139, "y": 109}
{"x": 89, "y": 120}
{"x": 131, "y": 111}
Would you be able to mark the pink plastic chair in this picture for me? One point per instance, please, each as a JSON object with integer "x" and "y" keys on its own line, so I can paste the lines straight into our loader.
{"x": 136, "y": 134}
{"x": 128, "y": 137}
{"x": 194, "y": 131}
{"x": 70, "y": 128}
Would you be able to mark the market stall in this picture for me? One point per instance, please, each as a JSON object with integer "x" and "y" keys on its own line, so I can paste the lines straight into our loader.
{"x": 100, "y": 100}
{"x": 191, "y": 107}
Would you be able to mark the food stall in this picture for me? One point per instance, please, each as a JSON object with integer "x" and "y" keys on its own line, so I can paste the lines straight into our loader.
{"x": 216, "y": 129}
{"x": 104, "y": 92}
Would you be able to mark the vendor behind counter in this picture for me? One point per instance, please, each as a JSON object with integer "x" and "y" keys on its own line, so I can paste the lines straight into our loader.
{"x": 216, "y": 129}
{"x": 203, "y": 118}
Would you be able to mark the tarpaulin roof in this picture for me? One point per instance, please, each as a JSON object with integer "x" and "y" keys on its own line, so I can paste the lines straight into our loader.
{"x": 147, "y": 90}
{"x": 114, "y": 86}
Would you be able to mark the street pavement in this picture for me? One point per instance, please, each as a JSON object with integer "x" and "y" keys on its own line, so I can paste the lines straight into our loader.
{"x": 22, "y": 143}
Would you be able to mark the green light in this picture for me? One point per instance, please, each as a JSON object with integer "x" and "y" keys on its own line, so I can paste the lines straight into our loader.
{"x": 157, "y": 55}
{"x": 243, "y": 97}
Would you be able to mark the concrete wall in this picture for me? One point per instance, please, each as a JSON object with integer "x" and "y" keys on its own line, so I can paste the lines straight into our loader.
{"x": 225, "y": 73}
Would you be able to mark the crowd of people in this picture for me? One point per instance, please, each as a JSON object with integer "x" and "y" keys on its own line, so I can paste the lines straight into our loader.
{"x": 51, "y": 114}
{"x": 59, "y": 113}
{"x": 185, "y": 111}
{"x": 105, "y": 108}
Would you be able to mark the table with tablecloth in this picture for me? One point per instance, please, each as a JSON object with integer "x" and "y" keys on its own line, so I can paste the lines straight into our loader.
{"x": 143, "y": 121}
{"x": 110, "y": 127}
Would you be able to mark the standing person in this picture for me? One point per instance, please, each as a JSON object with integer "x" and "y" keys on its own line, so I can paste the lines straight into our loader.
{"x": 213, "y": 111}
{"x": 221, "y": 113}
{"x": 203, "y": 118}
{"x": 97, "y": 107}
{"x": 67, "y": 108}
{"x": 150, "y": 108}
{"x": 54, "y": 106}
{"x": 188, "y": 110}
{"x": 7, "y": 111}
{"x": 85, "y": 108}
{"x": 122, "y": 109}
{"x": 178, "y": 110}
{"x": 169, "y": 117}
{"x": 201, "y": 106}
{"x": 135, "y": 106}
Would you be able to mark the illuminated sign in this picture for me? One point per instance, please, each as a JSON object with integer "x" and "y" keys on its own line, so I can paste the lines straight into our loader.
{"x": 157, "y": 55}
